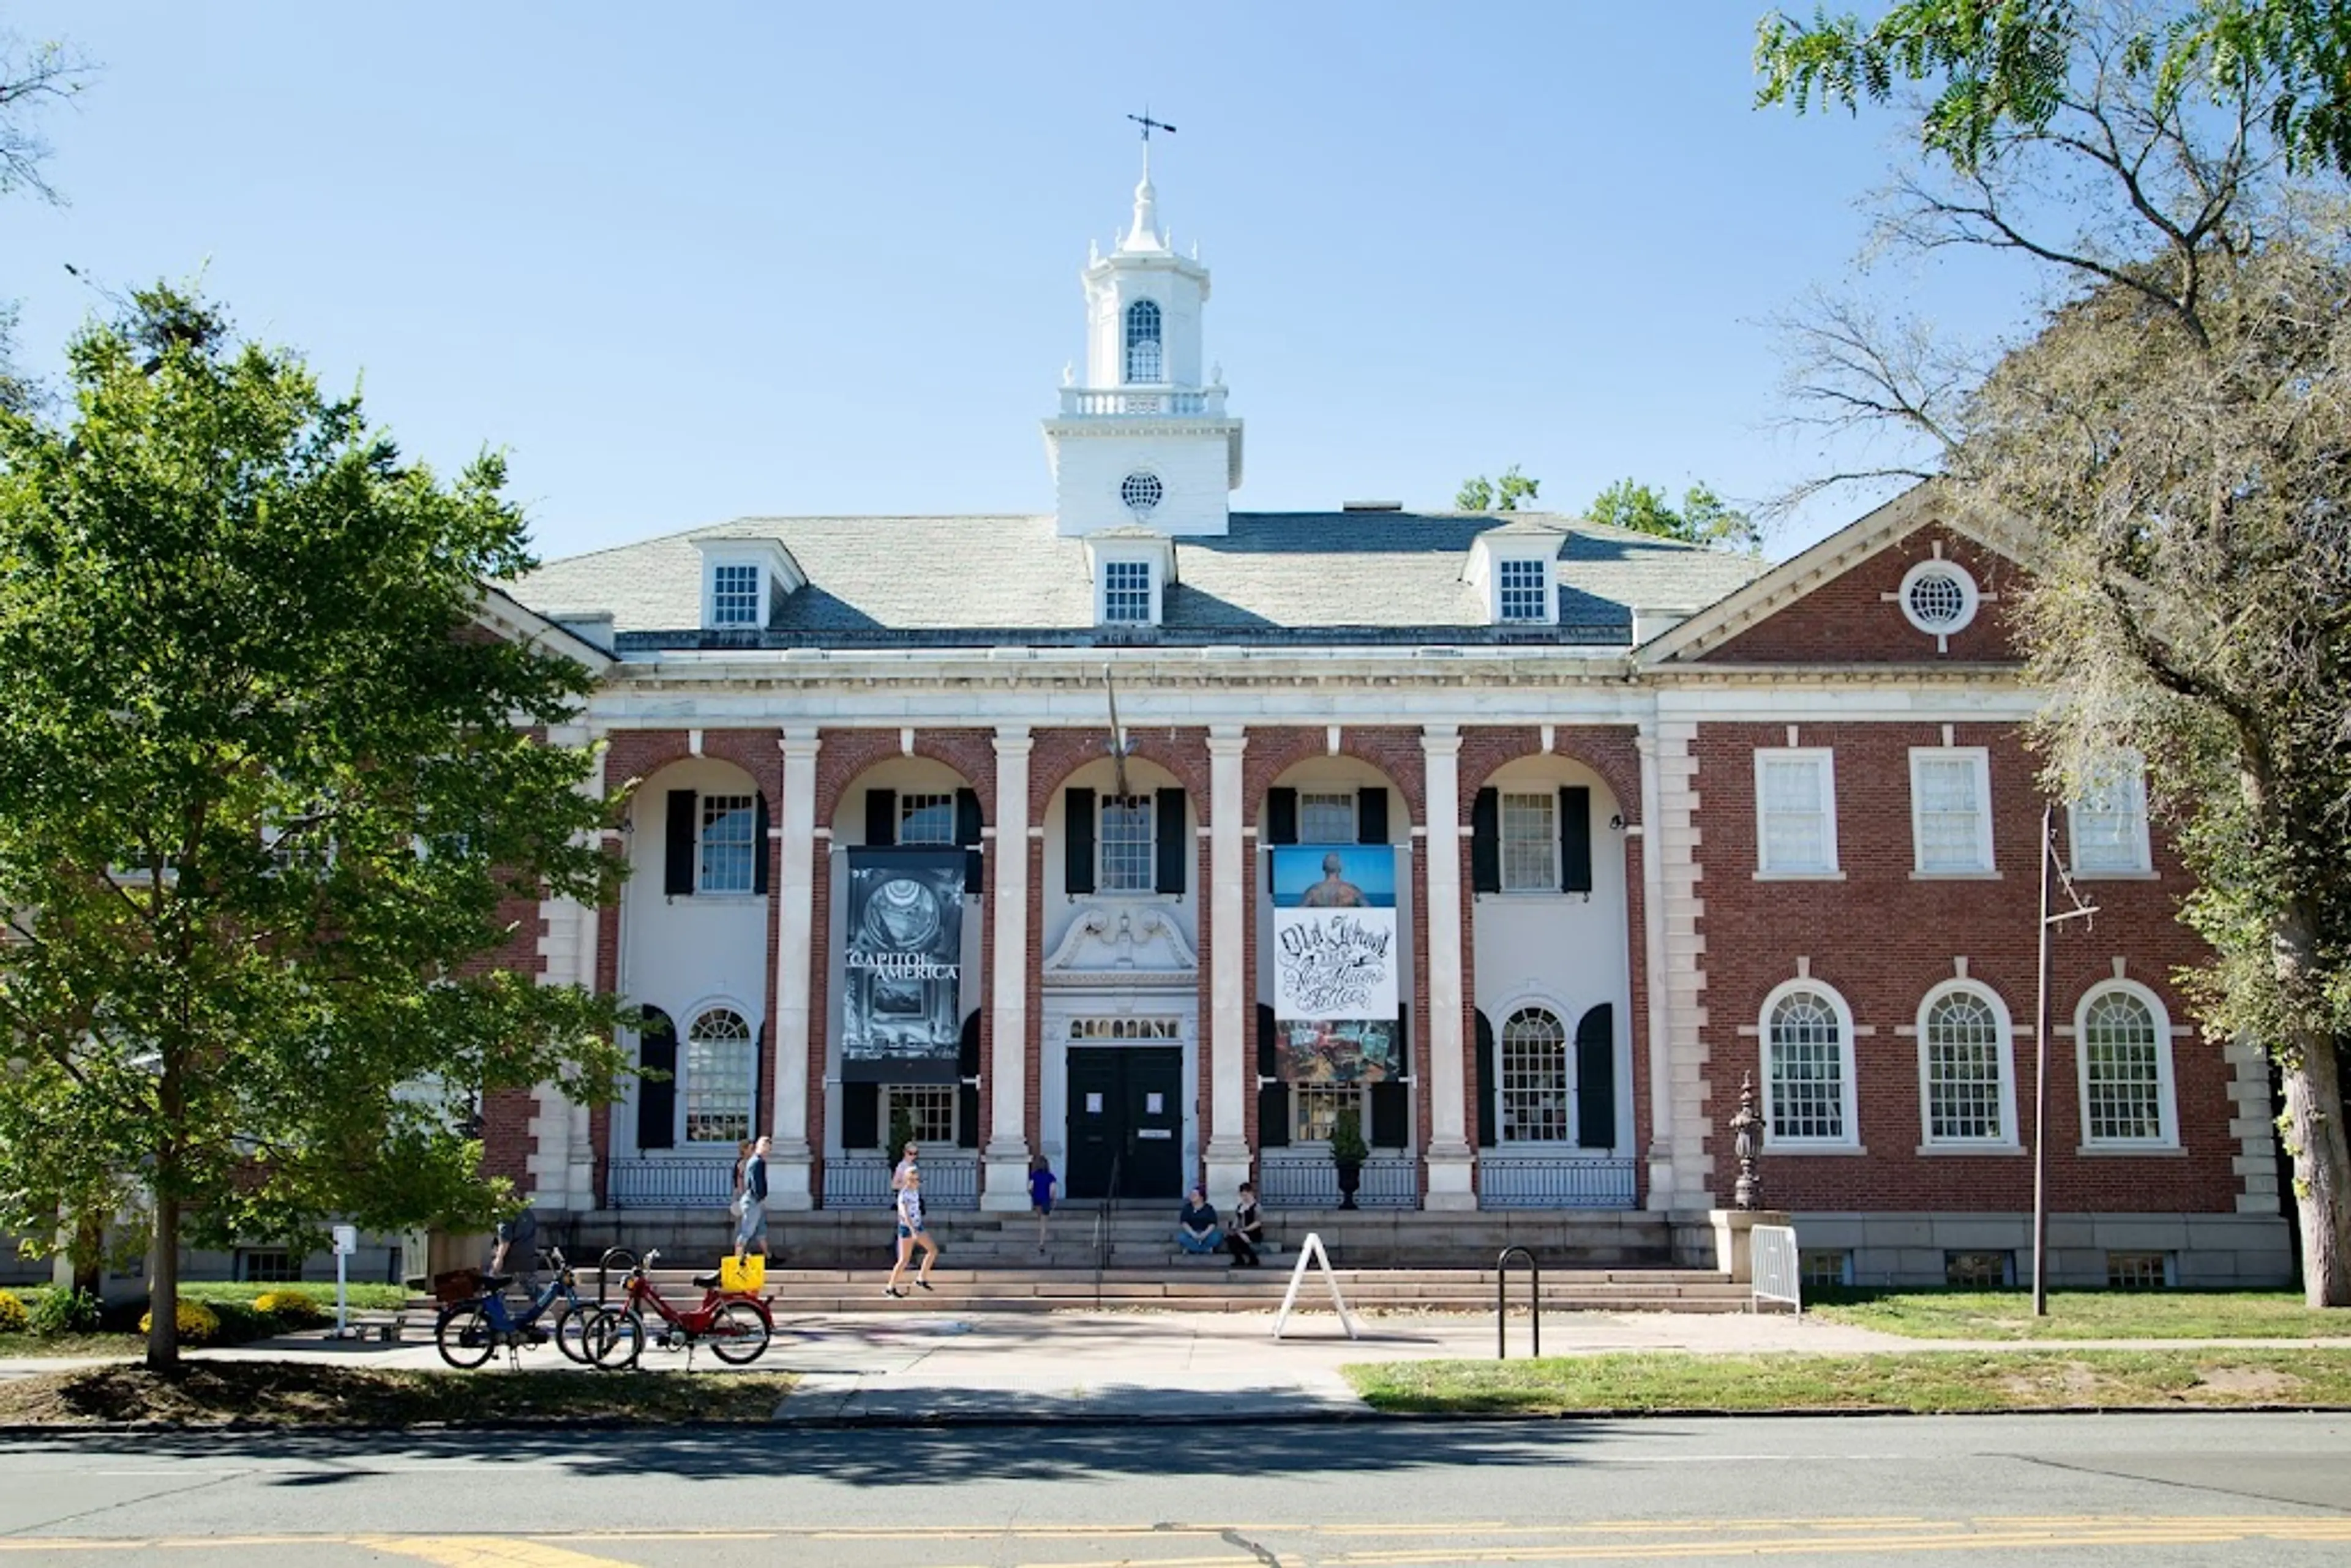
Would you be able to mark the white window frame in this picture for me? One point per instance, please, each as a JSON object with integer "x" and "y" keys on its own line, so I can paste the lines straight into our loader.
{"x": 2129, "y": 770}
{"x": 1309, "y": 1127}
{"x": 702, "y": 887}
{"x": 2168, "y": 1100}
{"x": 1849, "y": 1108}
{"x": 1148, "y": 804}
{"x": 1980, "y": 758}
{"x": 1545, "y": 601}
{"x": 689, "y": 1075}
{"x": 1154, "y": 569}
{"x": 1566, "y": 1110}
{"x": 1130, "y": 338}
{"x": 1549, "y": 798}
{"x": 1825, "y": 759}
{"x": 2004, "y": 1042}
{"x": 1970, "y": 600}
{"x": 762, "y": 573}
{"x": 1138, "y": 598}
{"x": 936, "y": 1094}
{"x": 735, "y": 603}
{"x": 909, "y": 801}
{"x": 1330, "y": 801}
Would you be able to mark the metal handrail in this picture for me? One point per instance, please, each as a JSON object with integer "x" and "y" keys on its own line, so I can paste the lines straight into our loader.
{"x": 1501, "y": 1301}
{"x": 1103, "y": 1218}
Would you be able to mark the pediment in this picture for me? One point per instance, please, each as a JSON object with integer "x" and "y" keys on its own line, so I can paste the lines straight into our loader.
{"x": 1130, "y": 944}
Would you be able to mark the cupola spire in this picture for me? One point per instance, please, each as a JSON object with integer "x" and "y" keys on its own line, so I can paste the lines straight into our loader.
{"x": 1144, "y": 233}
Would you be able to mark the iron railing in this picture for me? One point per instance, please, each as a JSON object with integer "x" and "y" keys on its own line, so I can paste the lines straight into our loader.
{"x": 670, "y": 1184}
{"x": 1312, "y": 1181}
{"x": 863, "y": 1181}
{"x": 1563, "y": 1182}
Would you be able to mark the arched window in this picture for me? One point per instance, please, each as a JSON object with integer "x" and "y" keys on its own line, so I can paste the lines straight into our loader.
{"x": 1808, "y": 1080}
{"x": 1144, "y": 362}
{"x": 720, "y": 1073}
{"x": 2123, "y": 1040}
{"x": 1965, "y": 1066}
{"x": 1534, "y": 1094}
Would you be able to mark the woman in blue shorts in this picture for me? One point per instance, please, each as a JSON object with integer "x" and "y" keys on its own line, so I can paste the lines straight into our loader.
{"x": 911, "y": 1235}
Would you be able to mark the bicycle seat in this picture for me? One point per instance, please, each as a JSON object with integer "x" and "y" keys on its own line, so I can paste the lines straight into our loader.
{"x": 705, "y": 1281}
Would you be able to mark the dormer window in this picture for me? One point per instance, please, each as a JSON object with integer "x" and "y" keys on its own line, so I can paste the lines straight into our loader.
{"x": 735, "y": 595}
{"x": 1126, "y": 593}
{"x": 1522, "y": 590}
{"x": 744, "y": 581}
{"x": 1143, "y": 361}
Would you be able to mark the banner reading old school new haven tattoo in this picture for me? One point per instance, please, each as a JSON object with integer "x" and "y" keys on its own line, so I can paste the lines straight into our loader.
{"x": 902, "y": 972}
{"x": 1335, "y": 957}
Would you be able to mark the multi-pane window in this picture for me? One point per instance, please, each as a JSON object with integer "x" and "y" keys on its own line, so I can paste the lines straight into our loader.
{"x": 268, "y": 1266}
{"x": 1125, "y": 844}
{"x": 928, "y": 1108}
{"x": 1529, "y": 824}
{"x": 1326, "y": 817}
{"x": 720, "y": 1063}
{"x": 1825, "y": 1269}
{"x": 2139, "y": 1271}
{"x": 734, "y": 596}
{"x": 1533, "y": 1093}
{"x": 1950, "y": 798}
{"x": 726, "y": 848}
{"x": 925, "y": 818}
{"x": 1966, "y": 1070}
{"x": 2109, "y": 820}
{"x": 2124, "y": 1088}
{"x": 1142, "y": 358}
{"x": 1980, "y": 1271}
{"x": 1126, "y": 593}
{"x": 1314, "y": 1110}
{"x": 1795, "y": 810}
{"x": 1806, "y": 1075}
{"x": 1524, "y": 586}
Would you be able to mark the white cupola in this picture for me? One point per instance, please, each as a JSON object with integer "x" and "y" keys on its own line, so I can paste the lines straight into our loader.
{"x": 1143, "y": 441}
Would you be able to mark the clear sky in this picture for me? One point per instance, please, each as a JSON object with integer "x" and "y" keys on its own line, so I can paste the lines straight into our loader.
{"x": 689, "y": 262}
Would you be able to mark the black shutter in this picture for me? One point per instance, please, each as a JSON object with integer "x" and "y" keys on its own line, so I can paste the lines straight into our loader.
{"x": 1596, "y": 1078}
{"x": 1077, "y": 840}
{"x": 1485, "y": 841}
{"x": 759, "y": 848}
{"x": 966, "y": 1092}
{"x": 967, "y": 838}
{"x": 1272, "y": 1099}
{"x": 1489, "y": 1127}
{"x": 678, "y": 866}
{"x": 1574, "y": 839}
{"x": 861, "y": 1115}
{"x": 657, "y": 1102}
{"x": 1371, "y": 816}
{"x": 1173, "y": 845}
{"x": 881, "y": 818}
{"x": 1281, "y": 816}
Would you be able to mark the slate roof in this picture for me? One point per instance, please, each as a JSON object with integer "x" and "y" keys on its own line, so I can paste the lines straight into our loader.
{"x": 1277, "y": 576}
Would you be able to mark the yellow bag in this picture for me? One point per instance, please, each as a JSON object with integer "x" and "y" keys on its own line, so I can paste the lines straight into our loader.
{"x": 750, "y": 1274}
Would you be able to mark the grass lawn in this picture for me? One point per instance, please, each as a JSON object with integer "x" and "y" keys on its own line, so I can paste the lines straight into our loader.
{"x": 1923, "y": 1381}
{"x": 76, "y": 1346}
{"x": 2083, "y": 1314}
{"x": 370, "y": 1297}
{"x": 295, "y": 1394}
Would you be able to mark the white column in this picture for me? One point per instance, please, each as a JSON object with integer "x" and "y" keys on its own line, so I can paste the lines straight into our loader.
{"x": 1653, "y": 968}
{"x": 1450, "y": 1158}
{"x": 561, "y": 1177}
{"x": 790, "y": 1164}
{"x": 1005, "y": 1171}
{"x": 1230, "y": 887}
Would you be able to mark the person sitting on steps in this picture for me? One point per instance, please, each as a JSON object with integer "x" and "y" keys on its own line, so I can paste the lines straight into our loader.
{"x": 1248, "y": 1233}
{"x": 1195, "y": 1225}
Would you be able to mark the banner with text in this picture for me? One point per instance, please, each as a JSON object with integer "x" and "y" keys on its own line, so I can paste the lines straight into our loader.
{"x": 1335, "y": 963}
{"x": 902, "y": 972}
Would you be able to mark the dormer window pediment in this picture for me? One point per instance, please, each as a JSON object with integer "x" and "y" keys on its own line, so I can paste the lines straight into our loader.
{"x": 743, "y": 580}
{"x": 1131, "y": 569}
{"x": 1513, "y": 570}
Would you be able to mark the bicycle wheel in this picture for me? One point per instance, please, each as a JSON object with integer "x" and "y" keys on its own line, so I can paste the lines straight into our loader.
{"x": 614, "y": 1339}
{"x": 571, "y": 1330}
{"x": 465, "y": 1336}
{"x": 738, "y": 1334}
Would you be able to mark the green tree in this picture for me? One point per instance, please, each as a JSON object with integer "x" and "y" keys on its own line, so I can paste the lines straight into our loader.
{"x": 1702, "y": 518}
{"x": 1503, "y": 495}
{"x": 33, "y": 76}
{"x": 2008, "y": 64}
{"x": 2170, "y": 445}
{"x": 268, "y": 804}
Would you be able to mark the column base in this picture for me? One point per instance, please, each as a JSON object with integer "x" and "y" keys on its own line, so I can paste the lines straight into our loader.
{"x": 792, "y": 1177}
{"x": 1228, "y": 1166}
{"x": 1452, "y": 1185}
{"x": 1004, "y": 1178}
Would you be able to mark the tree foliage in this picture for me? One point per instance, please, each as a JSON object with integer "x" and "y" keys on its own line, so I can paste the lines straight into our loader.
{"x": 1503, "y": 495}
{"x": 33, "y": 77}
{"x": 1702, "y": 518}
{"x": 268, "y": 802}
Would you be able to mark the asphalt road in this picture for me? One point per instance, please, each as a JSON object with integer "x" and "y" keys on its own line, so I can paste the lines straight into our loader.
{"x": 2139, "y": 1490}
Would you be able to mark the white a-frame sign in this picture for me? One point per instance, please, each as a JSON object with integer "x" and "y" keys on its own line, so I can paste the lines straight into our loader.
{"x": 1312, "y": 1251}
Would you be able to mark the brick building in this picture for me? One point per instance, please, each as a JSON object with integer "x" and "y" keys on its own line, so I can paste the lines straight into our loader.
{"x": 1601, "y": 822}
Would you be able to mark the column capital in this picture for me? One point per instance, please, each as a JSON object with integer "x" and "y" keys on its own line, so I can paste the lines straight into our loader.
{"x": 1226, "y": 739}
{"x": 799, "y": 741}
{"x": 1013, "y": 740}
{"x": 1440, "y": 739}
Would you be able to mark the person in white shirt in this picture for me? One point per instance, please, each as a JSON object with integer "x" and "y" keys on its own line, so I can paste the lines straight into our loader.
{"x": 911, "y": 1235}
{"x": 906, "y": 1163}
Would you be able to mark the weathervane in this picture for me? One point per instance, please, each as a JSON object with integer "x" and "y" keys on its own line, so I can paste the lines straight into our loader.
{"x": 1149, "y": 125}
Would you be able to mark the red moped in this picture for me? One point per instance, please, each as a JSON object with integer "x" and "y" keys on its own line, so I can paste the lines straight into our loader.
{"x": 735, "y": 1324}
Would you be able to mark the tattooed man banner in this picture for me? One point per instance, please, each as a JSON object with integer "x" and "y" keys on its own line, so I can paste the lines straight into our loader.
{"x": 1335, "y": 963}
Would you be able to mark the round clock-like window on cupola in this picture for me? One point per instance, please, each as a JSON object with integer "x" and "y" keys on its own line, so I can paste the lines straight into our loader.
{"x": 1142, "y": 492}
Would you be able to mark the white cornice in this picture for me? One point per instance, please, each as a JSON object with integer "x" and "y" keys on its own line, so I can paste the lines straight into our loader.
{"x": 496, "y": 611}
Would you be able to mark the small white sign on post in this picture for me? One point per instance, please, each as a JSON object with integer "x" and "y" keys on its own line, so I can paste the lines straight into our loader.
{"x": 347, "y": 1241}
{"x": 1312, "y": 1248}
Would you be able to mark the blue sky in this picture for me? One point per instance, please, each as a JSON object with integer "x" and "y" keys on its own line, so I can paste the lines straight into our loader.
{"x": 804, "y": 258}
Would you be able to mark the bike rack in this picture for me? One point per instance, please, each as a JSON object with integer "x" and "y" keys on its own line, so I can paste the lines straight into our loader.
{"x": 1501, "y": 1301}
{"x": 604, "y": 1268}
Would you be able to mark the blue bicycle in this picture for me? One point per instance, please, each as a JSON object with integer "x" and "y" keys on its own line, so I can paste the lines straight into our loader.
{"x": 479, "y": 1325}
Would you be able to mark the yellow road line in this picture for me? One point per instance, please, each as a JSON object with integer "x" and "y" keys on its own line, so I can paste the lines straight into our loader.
{"x": 483, "y": 1552}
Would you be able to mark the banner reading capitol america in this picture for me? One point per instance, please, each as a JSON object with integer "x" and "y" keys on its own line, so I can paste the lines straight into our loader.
{"x": 1336, "y": 959}
{"x": 901, "y": 1006}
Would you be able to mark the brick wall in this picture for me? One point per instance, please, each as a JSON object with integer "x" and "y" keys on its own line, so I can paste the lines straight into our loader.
{"x": 506, "y": 1141}
{"x": 1849, "y": 620}
{"x": 1883, "y": 939}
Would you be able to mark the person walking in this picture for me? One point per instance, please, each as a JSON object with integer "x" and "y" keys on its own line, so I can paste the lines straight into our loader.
{"x": 1041, "y": 1184}
{"x": 912, "y": 1235}
{"x": 751, "y": 1201}
{"x": 906, "y": 1163}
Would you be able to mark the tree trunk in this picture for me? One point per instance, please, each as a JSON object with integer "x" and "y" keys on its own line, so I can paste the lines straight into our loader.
{"x": 88, "y": 1253}
{"x": 2313, "y": 1119}
{"x": 163, "y": 1287}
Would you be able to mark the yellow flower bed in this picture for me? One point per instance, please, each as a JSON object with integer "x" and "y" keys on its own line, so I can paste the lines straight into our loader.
{"x": 198, "y": 1324}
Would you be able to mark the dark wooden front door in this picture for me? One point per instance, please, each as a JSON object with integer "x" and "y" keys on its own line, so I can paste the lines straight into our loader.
{"x": 1126, "y": 1106}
